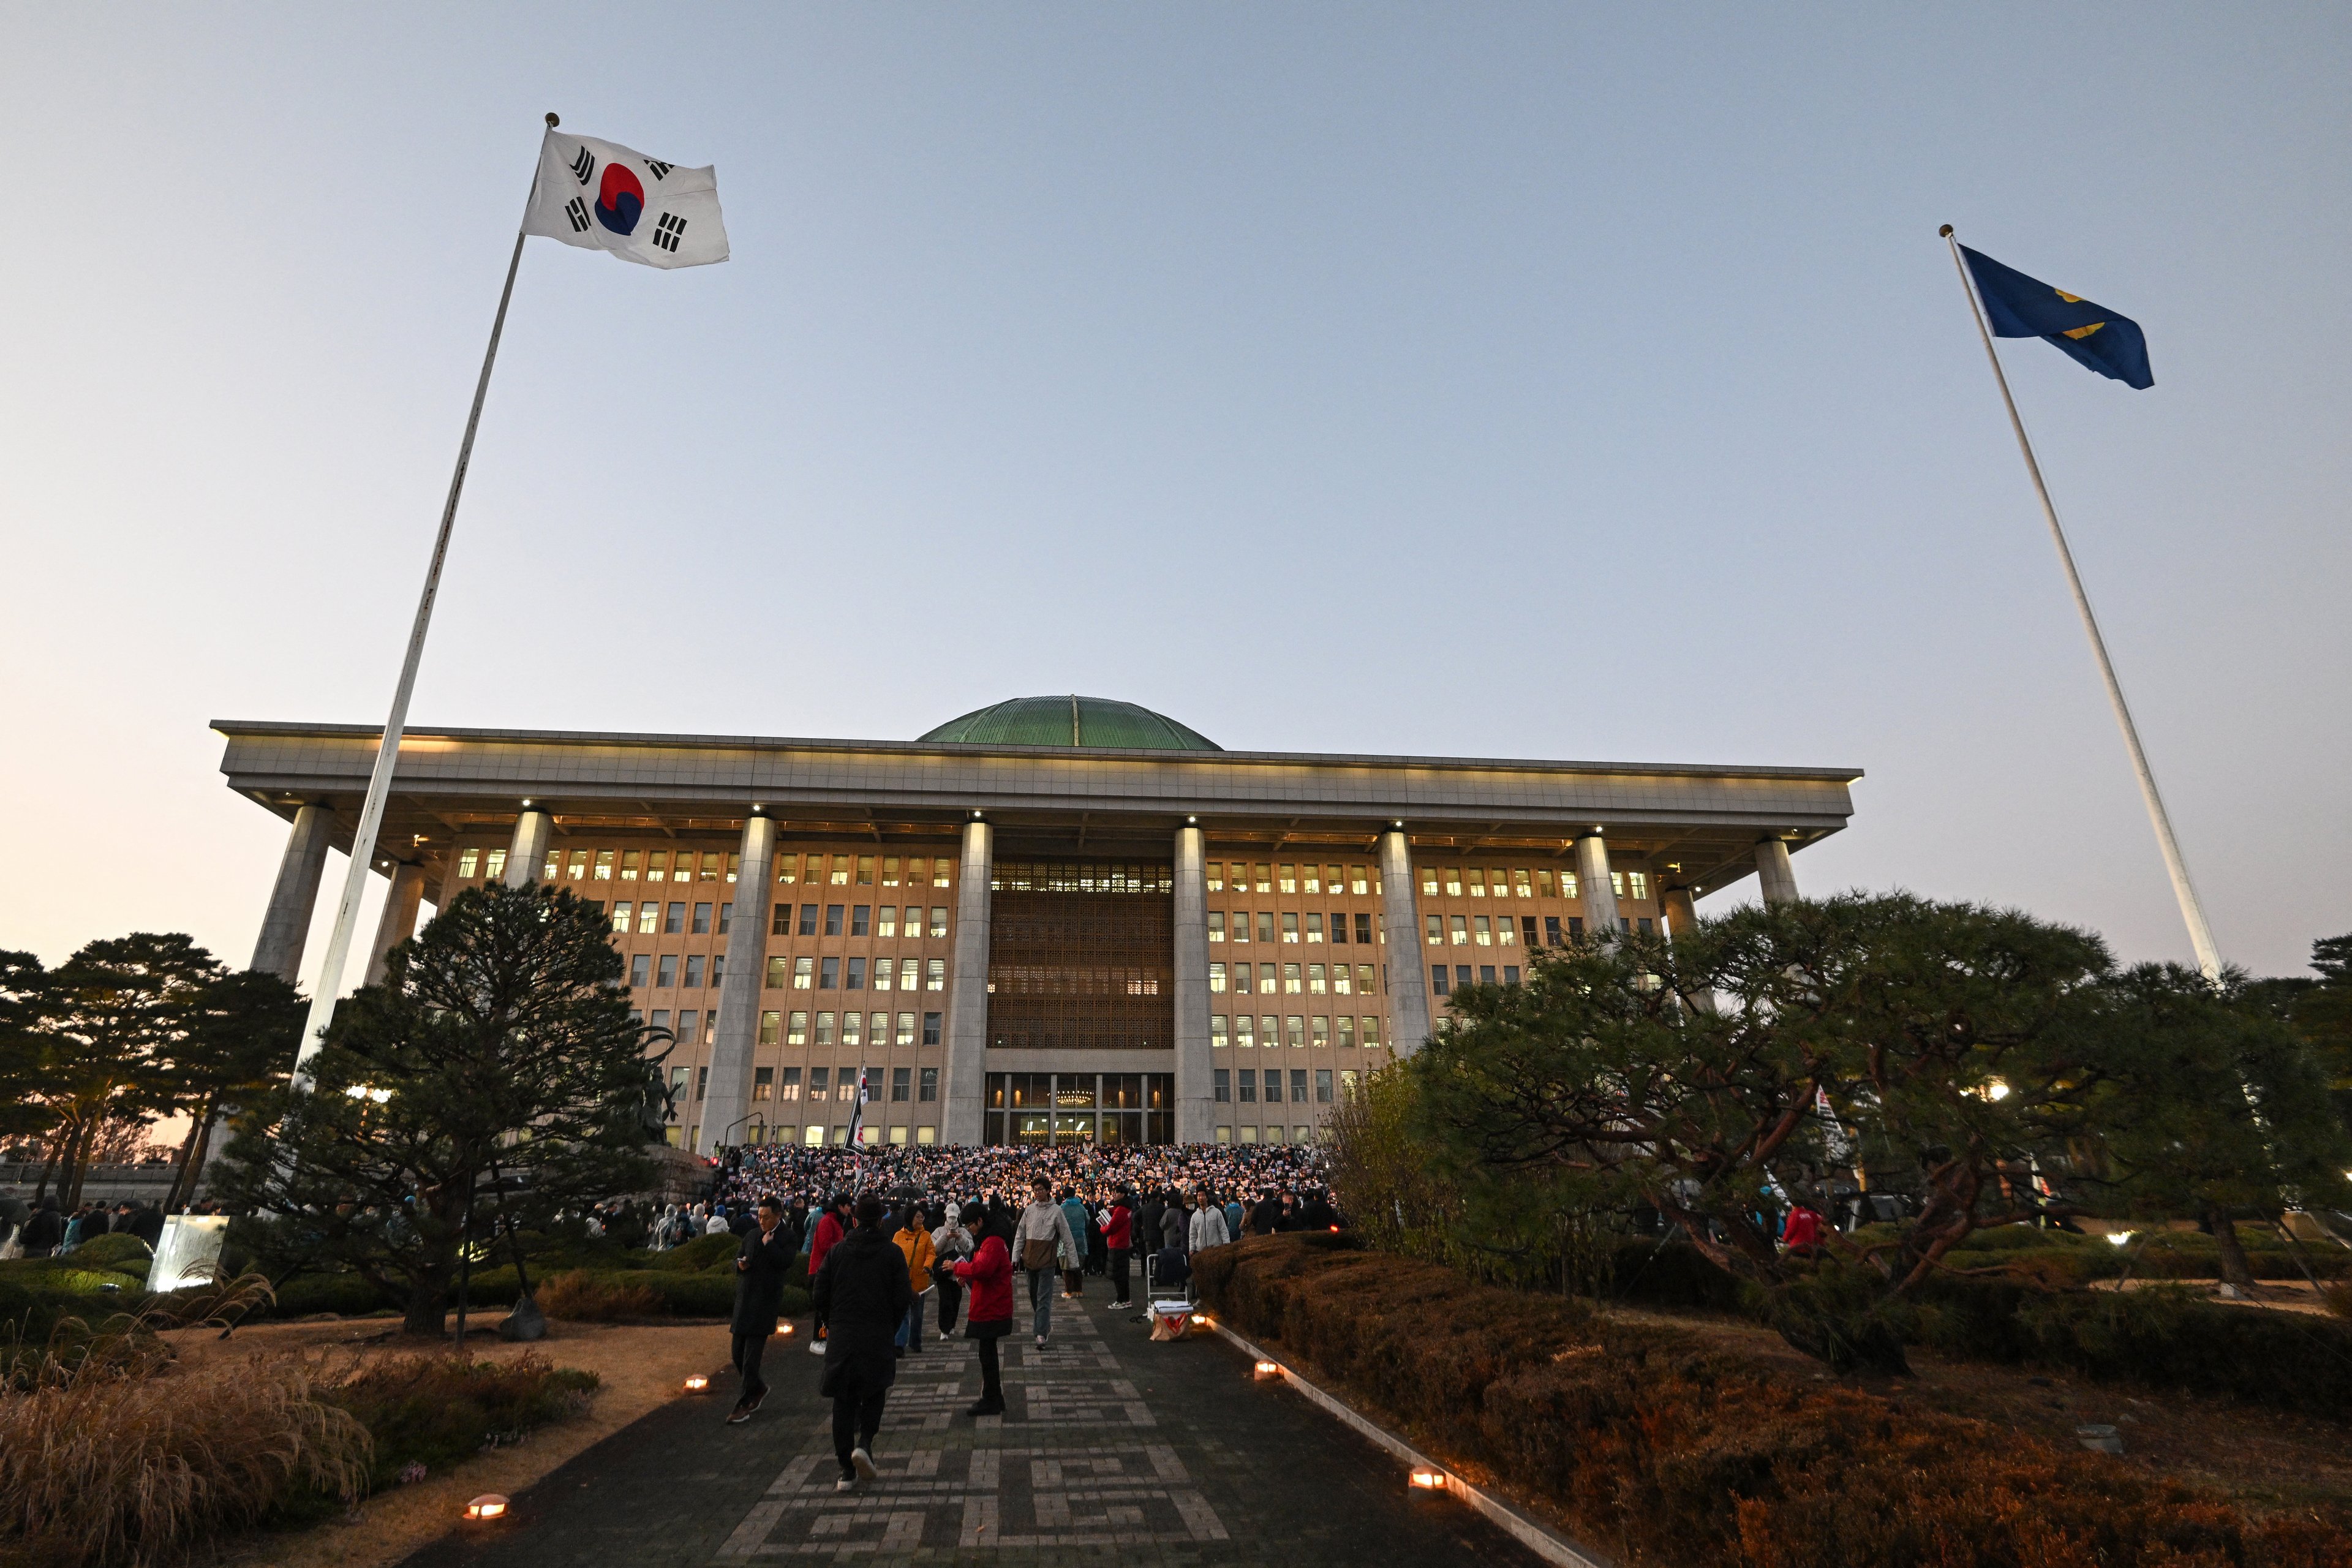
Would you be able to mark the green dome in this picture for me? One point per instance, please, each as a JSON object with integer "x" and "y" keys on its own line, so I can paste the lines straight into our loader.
{"x": 1072, "y": 721}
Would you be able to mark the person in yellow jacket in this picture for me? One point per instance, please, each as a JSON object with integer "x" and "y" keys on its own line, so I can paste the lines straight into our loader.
{"x": 913, "y": 1239}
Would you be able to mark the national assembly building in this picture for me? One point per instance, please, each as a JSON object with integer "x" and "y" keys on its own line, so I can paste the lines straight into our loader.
{"x": 1057, "y": 919}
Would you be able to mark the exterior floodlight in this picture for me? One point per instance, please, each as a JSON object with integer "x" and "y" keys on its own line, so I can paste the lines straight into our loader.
{"x": 489, "y": 1505}
{"x": 697, "y": 1382}
{"x": 1202, "y": 1318}
{"x": 783, "y": 1329}
{"x": 1266, "y": 1369}
{"x": 1427, "y": 1479}
{"x": 2120, "y": 1237}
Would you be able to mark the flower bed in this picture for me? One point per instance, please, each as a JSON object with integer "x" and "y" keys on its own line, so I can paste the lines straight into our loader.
{"x": 1663, "y": 1449}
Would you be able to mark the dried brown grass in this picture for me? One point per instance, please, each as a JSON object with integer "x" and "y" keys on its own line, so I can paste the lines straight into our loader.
{"x": 111, "y": 1455}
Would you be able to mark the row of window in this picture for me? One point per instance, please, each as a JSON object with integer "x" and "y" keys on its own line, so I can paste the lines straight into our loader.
{"x": 793, "y": 1029}
{"x": 1292, "y": 978}
{"x": 1078, "y": 876}
{"x": 1292, "y": 929}
{"x": 814, "y": 1135}
{"x": 852, "y": 973}
{"x": 1246, "y": 1032}
{"x": 837, "y": 870}
{"x": 653, "y": 917}
{"x": 1273, "y": 1134}
{"x": 770, "y": 1084}
{"x": 690, "y": 1021}
{"x": 1238, "y": 876}
{"x": 646, "y": 970}
{"x": 1520, "y": 881}
{"x": 861, "y": 919}
{"x": 1240, "y": 1085}
{"x": 1438, "y": 980}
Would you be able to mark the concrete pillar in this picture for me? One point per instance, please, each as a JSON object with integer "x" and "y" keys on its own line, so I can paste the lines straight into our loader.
{"x": 527, "y": 852}
{"x": 967, "y": 996}
{"x": 1681, "y": 912}
{"x": 399, "y": 920}
{"x": 286, "y": 927}
{"x": 728, "y": 1099}
{"x": 1774, "y": 876}
{"x": 1196, "y": 1106}
{"x": 1600, "y": 894}
{"x": 1408, "y": 959}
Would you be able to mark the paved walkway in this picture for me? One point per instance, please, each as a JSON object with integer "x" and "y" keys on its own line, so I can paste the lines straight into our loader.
{"x": 1113, "y": 1450}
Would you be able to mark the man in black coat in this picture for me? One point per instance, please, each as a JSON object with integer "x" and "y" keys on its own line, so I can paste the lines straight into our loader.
{"x": 762, "y": 1259}
{"x": 45, "y": 1229}
{"x": 864, "y": 1292}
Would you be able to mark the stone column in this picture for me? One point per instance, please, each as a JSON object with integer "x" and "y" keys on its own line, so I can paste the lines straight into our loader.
{"x": 399, "y": 920}
{"x": 286, "y": 927}
{"x": 1600, "y": 894}
{"x": 526, "y": 854}
{"x": 1681, "y": 912}
{"x": 1408, "y": 958}
{"x": 968, "y": 994}
{"x": 1774, "y": 876}
{"x": 1196, "y": 1106}
{"x": 729, "y": 1097}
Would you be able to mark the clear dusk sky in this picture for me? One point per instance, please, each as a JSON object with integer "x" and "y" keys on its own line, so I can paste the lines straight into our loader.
{"x": 1534, "y": 381}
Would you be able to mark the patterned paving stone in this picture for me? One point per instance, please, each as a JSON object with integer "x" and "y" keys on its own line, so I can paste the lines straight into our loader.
{"x": 1112, "y": 1449}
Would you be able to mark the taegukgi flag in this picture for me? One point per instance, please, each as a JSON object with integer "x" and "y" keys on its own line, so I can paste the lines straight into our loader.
{"x": 603, "y": 197}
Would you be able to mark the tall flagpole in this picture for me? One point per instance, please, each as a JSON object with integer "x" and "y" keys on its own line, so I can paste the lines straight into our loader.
{"x": 2201, "y": 936}
{"x": 347, "y": 911}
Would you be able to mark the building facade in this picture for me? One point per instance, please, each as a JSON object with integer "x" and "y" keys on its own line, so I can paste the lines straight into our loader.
{"x": 1056, "y": 920}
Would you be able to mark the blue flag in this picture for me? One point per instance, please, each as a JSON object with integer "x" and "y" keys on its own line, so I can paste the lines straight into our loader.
{"x": 2022, "y": 307}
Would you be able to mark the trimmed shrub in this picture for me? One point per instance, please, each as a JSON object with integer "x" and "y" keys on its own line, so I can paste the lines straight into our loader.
{"x": 348, "y": 1294}
{"x": 1664, "y": 1448}
{"x": 436, "y": 1410}
{"x": 117, "y": 1250}
{"x": 585, "y": 1298}
{"x": 703, "y": 1252}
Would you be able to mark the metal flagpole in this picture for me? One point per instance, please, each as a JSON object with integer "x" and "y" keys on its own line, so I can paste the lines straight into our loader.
{"x": 347, "y": 912}
{"x": 2201, "y": 936}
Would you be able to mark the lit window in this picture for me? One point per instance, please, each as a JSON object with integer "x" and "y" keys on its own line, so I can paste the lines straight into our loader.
{"x": 1241, "y": 925}
{"x": 788, "y": 869}
{"x": 772, "y": 1028}
{"x": 1265, "y": 925}
{"x": 648, "y": 917}
{"x": 1617, "y": 883}
{"x": 1220, "y": 1032}
{"x": 852, "y": 1029}
{"x": 701, "y": 920}
{"x": 674, "y": 922}
{"x": 579, "y": 868}
{"x": 1214, "y": 875}
{"x": 1315, "y": 980}
{"x": 1363, "y": 980}
{"x": 1459, "y": 929}
{"x": 1481, "y": 932}
{"x": 940, "y": 872}
{"x": 1428, "y": 881}
{"x": 1264, "y": 879}
{"x": 1436, "y": 924}
{"x": 1290, "y": 979}
{"x": 803, "y": 974}
{"x": 1216, "y": 925}
{"x": 640, "y": 968}
{"x": 1290, "y": 877}
{"x": 658, "y": 866}
{"x": 824, "y": 1038}
{"x": 906, "y": 1032}
{"x": 546, "y": 872}
{"x": 1265, "y": 979}
{"x": 1313, "y": 927}
{"x": 865, "y": 870}
{"x": 1289, "y": 927}
{"x": 734, "y": 866}
{"x": 1568, "y": 884}
{"x": 1245, "y": 1032}
{"x": 935, "y": 975}
{"x": 939, "y": 922}
{"x": 883, "y": 970}
{"x": 1453, "y": 881}
{"x": 1339, "y": 973}
{"x": 1638, "y": 884}
{"x": 1357, "y": 883}
{"x": 693, "y": 971}
{"x": 796, "y": 1029}
{"x": 667, "y": 974}
{"x": 494, "y": 867}
{"x": 620, "y": 916}
{"x": 885, "y": 920}
{"x": 908, "y": 971}
{"x": 711, "y": 860}
{"x": 763, "y": 1083}
{"x": 628, "y": 864}
{"x": 1371, "y": 1034}
{"x": 1294, "y": 1032}
{"x": 1320, "y": 1032}
{"x": 1521, "y": 887}
{"x": 603, "y": 864}
{"x": 1347, "y": 1033}
{"x": 1504, "y": 937}
{"x": 791, "y": 1087}
{"x": 1477, "y": 880}
{"x": 1216, "y": 977}
{"x": 890, "y": 870}
{"x": 839, "y": 875}
{"x": 468, "y": 862}
{"x": 1347, "y": 1078}
{"x": 1242, "y": 978}
{"x": 1312, "y": 881}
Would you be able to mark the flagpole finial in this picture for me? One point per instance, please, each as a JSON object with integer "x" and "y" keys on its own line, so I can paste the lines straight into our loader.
{"x": 553, "y": 122}
{"x": 1943, "y": 233}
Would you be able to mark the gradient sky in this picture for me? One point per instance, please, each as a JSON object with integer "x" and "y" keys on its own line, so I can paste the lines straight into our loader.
{"x": 1526, "y": 381}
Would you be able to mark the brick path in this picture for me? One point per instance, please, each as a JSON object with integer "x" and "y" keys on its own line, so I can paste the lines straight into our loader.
{"x": 1113, "y": 1450}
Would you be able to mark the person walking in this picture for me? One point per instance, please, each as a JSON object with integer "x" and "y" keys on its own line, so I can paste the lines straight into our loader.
{"x": 1073, "y": 1262}
{"x": 951, "y": 1243}
{"x": 863, "y": 1294}
{"x": 1118, "y": 1237}
{"x": 989, "y": 1272}
{"x": 830, "y": 1229}
{"x": 913, "y": 1239}
{"x": 1208, "y": 1227}
{"x": 762, "y": 1259}
{"x": 1042, "y": 1237}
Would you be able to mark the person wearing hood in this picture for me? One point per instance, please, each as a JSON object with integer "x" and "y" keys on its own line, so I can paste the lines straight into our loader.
{"x": 864, "y": 1292}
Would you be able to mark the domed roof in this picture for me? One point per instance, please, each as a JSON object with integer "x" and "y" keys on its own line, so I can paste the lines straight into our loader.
{"x": 1072, "y": 721}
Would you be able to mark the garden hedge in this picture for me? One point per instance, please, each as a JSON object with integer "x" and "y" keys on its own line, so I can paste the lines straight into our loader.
{"x": 1659, "y": 1448}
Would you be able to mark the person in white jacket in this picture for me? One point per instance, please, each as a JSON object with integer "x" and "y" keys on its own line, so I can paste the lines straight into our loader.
{"x": 1208, "y": 1227}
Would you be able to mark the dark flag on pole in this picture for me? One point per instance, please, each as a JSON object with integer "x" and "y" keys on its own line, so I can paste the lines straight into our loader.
{"x": 2022, "y": 307}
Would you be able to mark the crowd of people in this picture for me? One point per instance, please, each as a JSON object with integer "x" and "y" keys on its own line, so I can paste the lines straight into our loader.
{"x": 46, "y": 1228}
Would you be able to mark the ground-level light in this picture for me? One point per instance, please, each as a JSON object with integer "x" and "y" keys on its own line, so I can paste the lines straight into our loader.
{"x": 696, "y": 1383}
{"x": 1266, "y": 1369}
{"x": 783, "y": 1329}
{"x": 1202, "y": 1318}
{"x": 489, "y": 1505}
{"x": 1425, "y": 1479}
{"x": 2118, "y": 1237}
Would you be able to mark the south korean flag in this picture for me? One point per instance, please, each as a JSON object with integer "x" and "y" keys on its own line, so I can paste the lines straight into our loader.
{"x": 603, "y": 197}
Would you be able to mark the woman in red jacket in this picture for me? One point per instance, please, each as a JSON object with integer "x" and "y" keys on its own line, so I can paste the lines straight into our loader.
{"x": 829, "y": 1232}
{"x": 1119, "y": 1238}
{"x": 989, "y": 1272}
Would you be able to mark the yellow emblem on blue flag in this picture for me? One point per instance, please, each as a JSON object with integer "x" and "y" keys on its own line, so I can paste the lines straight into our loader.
{"x": 2021, "y": 307}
